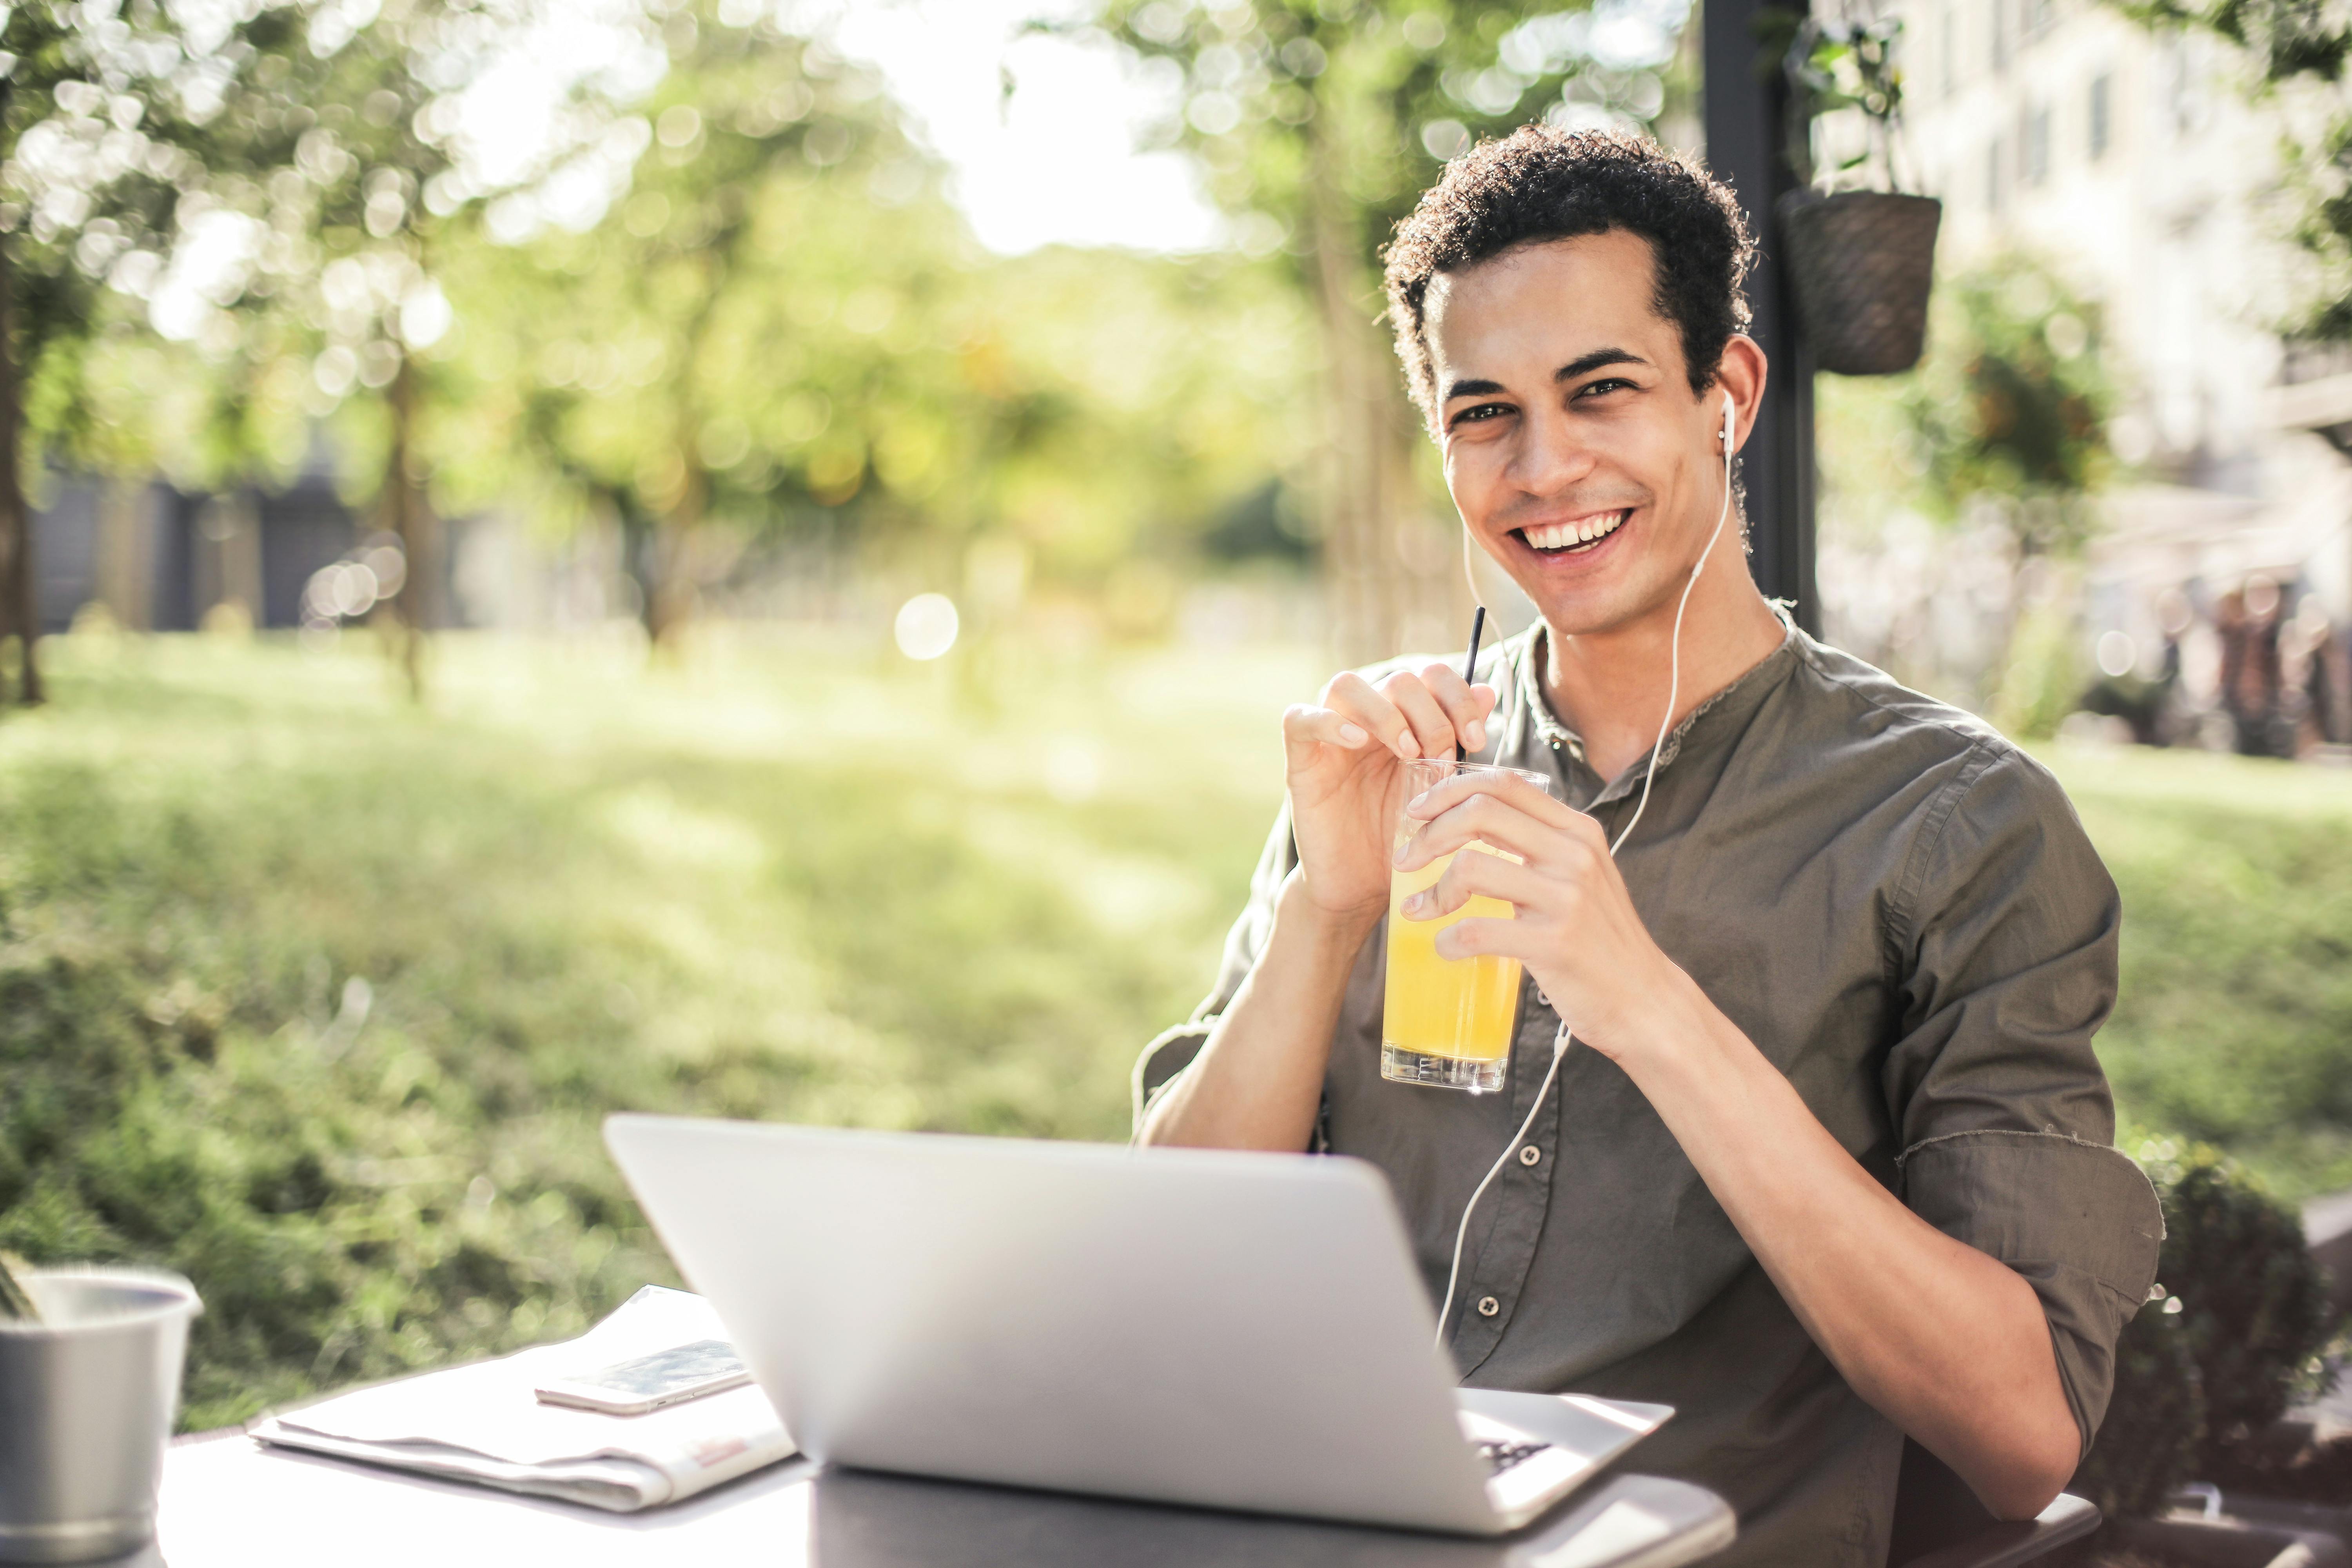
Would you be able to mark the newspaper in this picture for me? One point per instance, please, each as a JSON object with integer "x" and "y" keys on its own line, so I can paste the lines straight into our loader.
{"x": 483, "y": 1423}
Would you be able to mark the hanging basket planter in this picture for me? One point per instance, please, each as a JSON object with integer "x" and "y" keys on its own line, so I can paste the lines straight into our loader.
{"x": 1861, "y": 264}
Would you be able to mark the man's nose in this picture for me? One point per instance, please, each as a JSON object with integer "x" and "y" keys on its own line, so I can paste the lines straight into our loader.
{"x": 1553, "y": 458}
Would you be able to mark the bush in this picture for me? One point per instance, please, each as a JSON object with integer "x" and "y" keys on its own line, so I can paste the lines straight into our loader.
{"x": 2256, "y": 1312}
{"x": 2237, "y": 1340}
{"x": 2148, "y": 1445}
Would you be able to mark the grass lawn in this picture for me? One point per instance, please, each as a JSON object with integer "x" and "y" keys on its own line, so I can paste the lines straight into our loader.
{"x": 2234, "y": 1027}
{"x": 319, "y": 998}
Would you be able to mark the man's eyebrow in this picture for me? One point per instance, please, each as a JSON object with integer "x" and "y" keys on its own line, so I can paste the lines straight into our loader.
{"x": 1585, "y": 364}
{"x": 1471, "y": 389}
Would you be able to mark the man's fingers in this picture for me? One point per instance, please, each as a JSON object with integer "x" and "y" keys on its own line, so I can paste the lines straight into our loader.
{"x": 1507, "y": 787}
{"x": 1481, "y": 938}
{"x": 1465, "y": 706}
{"x": 1484, "y": 819}
{"x": 1353, "y": 696}
{"x": 1304, "y": 726}
{"x": 1476, "y": 874}
{"x": 1433, "y": 730}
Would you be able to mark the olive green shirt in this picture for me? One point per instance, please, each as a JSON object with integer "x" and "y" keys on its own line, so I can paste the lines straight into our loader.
{"x": 1900, "y": 908}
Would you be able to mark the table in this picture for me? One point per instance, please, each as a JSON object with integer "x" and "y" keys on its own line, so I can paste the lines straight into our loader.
{"x": 229, "y": 1503}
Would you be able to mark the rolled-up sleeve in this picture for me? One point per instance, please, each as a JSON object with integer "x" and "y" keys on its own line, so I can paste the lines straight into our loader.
{"x": 2006, "y": 938}
{"x": 1173, "y": 1051}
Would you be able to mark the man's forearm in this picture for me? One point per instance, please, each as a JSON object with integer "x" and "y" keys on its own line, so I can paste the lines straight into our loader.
{"x": 1258, "y": 1081}
{"x": 1949, "y": 1342}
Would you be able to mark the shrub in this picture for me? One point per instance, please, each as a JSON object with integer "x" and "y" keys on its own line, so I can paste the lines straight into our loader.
{"x": 2256, "y": 1312}
{"x": 2235, "y": 1343}
{"x": 2148, "y": 1445}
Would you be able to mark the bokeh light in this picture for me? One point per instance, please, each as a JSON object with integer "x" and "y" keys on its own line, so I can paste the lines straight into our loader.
{"x": 927, "y": 626}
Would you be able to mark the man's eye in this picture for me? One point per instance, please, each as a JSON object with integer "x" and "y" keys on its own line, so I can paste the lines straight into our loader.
{"x": 1614, "y": 384}
{"x": 1483, "y": 411}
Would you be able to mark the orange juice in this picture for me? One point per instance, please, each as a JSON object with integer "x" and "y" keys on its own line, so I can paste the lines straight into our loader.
{"x": 1447, "y": 1021}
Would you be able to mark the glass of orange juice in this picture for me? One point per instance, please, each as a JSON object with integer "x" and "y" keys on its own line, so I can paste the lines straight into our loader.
{"x": 1447, "y": 1021}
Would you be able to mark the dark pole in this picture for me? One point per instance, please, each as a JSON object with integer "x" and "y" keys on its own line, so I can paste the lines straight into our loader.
{"x": 1746, "y": 141}
{"x": 20, "y": 587}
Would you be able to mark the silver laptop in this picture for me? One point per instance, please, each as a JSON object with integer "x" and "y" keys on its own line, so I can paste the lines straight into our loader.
{"x": 1240, "y": 1331}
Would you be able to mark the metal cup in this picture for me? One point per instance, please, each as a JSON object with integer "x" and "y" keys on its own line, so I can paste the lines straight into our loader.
{"x": 87, "y": 1398}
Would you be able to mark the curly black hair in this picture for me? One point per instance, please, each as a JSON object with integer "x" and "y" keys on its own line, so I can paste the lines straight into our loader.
{"x": 1540, "y": 184}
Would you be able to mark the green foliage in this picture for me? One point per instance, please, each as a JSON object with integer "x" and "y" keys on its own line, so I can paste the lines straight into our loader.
{"x": 320, "y": 1000}
{"x": 1834, "y": 66}
{"x": 1322, "y": 120}
{"x": 2147, "y": 1443}
{"x": 2295, "y": 43}
{"x": 2009, "y": 407}
{"x": 2234, "y": 1344}
{"x": 121, "y": 127}
{"x": 2041, "y": 679}
{"x": 737, "y": 336}
{"x": 2256, "y": 1313}
{"x": 2323, "y": 177}
{"x": 783, "y": 330}
{"x": 2004, "y": 420}
{"x": 2292, "y": 38}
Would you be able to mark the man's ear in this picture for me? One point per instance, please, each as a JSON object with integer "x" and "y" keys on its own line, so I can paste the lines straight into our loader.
{"x": 1740, "y": 374}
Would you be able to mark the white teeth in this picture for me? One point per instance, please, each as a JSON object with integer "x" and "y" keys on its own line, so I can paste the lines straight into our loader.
{"x": 1568, "y": 535}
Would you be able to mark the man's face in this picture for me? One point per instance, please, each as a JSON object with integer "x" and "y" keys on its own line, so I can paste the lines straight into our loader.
{"x": 1579, "y": 455}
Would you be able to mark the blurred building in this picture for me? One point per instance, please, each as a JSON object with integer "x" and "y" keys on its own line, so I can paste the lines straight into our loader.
{"x": 160, "y": 559}
{"x": 155, "y": 558}
{"x": 2133, "y": 161}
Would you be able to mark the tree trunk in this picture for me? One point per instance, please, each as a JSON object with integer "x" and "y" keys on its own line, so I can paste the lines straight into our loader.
{"x": 637, "y": 533}
{"x": 673, "y": 587}
{"x": 1393, "y": 572}
{"x": 410, "y": 519}
{"x": 20, "y": 613}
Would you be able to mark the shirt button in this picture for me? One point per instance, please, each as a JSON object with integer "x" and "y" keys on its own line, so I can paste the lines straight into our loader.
{"x": 1530, "y": 1155}
{"x": 1488, "y": 1306}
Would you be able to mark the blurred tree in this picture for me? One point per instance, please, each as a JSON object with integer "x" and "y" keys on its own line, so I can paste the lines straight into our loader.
{"x": 2012, "y": 407}
{"x": 736, "y": 338}
{"x": 2008, "y": 416}
{"x": 1157, "y": 394}
{"x": 1320, "y": 121}
{"x": 398, "y": 121}
{"x": 111, "y": 117}
{"x": 784, "y": 331}
{"x": 2299, "y": 49}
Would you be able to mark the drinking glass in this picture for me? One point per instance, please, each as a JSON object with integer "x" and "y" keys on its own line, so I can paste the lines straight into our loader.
{"x": 1446, "y": 1021}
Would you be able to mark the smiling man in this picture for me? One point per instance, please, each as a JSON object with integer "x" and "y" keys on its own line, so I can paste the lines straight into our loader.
{"x": 1830, "y": 1158}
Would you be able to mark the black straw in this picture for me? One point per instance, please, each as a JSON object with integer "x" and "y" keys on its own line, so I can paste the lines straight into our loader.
{"x": 1470, "y": 668}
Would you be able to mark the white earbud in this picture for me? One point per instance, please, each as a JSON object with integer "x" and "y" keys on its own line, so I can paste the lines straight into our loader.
{"x": 1728, "y": 425}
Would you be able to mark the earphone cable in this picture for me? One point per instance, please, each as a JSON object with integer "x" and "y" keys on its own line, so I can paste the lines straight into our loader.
{"x": 1562, "y": 1041}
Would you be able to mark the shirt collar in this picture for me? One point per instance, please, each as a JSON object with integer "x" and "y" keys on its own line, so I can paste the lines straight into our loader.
{"x": 1548, "y": 730}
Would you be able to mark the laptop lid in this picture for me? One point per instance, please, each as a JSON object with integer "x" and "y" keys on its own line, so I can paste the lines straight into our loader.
{"x": 1245, "y": 1331}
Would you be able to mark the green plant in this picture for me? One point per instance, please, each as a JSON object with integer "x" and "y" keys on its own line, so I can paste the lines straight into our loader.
{"x": 1833, "y": 66}
{"x": 2147, "y": 1443}
{"x": 2236, "y": 1341}
{"x": 2257, "y": 1314}
{"x": 2010, "y": 410}
{"x": 2297, "y": 50}
{"x": 2044, "y": 672}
